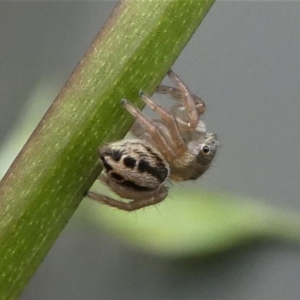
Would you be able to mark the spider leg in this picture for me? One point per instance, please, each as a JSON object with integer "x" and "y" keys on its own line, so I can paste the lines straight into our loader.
{"x": 128, "y": 206}
{"x": 187, "y": 101}
{"x": 176, "y": 94}
{"x": 170, "y": 121}
{"x": 153, "y": 130}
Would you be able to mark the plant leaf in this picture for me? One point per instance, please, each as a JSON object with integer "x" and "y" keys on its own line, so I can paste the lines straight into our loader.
{"x": 196, "y": 222}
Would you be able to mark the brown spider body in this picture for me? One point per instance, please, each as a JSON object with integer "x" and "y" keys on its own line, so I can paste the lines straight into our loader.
{"x": 177, "y": 147}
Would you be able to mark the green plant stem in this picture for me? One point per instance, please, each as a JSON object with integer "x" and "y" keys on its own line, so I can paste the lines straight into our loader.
{"x": 59, "y": 163}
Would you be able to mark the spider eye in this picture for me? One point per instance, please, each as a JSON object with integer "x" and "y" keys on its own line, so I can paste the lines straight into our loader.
{"x": 206, "y": 150}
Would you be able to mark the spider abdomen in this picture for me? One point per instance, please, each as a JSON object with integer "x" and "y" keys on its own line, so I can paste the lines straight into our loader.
{"x": 134, "y": 164}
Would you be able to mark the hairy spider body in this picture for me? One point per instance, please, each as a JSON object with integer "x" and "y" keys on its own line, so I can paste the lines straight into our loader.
{"x": 177, "y": 147}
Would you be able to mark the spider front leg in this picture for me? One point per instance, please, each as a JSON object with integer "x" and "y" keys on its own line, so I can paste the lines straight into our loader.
{"x": 194, "y": 106}
{"x": 153, "y": 130}
{"x": 169, "y": 121}
{"x": 176, "y": 94}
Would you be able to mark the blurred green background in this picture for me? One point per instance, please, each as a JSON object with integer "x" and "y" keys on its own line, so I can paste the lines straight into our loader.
{"x": 244, "y": 62}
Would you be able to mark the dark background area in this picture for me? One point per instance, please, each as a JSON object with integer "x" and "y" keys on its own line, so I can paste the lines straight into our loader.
{"x": 244, "y": 62}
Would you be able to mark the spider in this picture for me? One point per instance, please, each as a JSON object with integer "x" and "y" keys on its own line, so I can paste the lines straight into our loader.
{"x": 177, "y": 147}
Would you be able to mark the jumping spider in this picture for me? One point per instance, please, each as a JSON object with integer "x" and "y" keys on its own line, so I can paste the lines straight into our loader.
{"x": 177, "y": 147}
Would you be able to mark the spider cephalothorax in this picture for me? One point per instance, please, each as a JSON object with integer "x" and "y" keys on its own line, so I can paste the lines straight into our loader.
{"x": 177, "y": 147}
